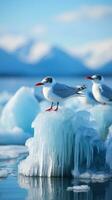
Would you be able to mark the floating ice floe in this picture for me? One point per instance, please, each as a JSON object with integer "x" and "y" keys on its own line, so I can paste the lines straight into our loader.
{"x": 17, "y": 117}
{"x": 11, "y": 151}
{"x": 63, "y": 141}
{"x": 3, "y": 173}
{"x": 13, "y": 136}
{"x": 100, "y": 176}
{"x": 79, "y": 188}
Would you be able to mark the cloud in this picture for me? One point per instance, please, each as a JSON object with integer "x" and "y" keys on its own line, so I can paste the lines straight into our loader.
{"x": 39, "y": 30}
{"x": 11, "y": 42}
{"x": 95, "y": 54}
{"x": 85, "y": 12}
{"x": 38, "y": 50}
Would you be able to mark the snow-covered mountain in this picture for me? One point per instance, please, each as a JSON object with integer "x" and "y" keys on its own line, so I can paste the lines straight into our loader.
{"x": 56, "y": 63}
{"x": 34, "y": 59}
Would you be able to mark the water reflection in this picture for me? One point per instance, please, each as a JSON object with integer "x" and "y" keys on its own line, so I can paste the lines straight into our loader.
{"x": 55, "y": 189}
{"x": 50, "y": 189}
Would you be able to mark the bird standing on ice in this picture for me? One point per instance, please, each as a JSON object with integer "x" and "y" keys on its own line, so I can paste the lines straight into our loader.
{"x": 56, "y": 92}
{"x": 101, "y": 92}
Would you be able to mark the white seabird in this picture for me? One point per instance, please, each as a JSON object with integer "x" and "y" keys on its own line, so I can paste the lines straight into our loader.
{"x": 56, "y": 92}
{"x": 101, "y": 92}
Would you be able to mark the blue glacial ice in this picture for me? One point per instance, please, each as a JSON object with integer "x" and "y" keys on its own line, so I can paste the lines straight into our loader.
{"x": 64, "y": 141}
{"x": 108, "y": 144}
{"x": 17, "y": 116}
{"x": 103, "y": 117}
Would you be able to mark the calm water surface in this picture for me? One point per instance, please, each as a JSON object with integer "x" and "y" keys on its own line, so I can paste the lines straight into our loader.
{"x": 28, "y": 188}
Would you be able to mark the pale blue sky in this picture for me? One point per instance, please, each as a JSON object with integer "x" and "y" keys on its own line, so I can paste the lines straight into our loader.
{"x": 22, "y": 16}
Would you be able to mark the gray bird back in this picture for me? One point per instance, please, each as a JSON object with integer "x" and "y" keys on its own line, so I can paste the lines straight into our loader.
{"x": 64, "y": 91}
{"x": 106, "y": 91}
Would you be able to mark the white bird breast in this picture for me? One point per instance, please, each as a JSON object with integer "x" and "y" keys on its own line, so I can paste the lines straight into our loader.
{"x": 97, "y": 94}
{"x": 49, "y": 95}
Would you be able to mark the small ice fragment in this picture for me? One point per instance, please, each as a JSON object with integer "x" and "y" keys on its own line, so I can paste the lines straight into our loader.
{"x": 85, "y": 175}
{"x": 100, "y": 177}
{"x": 3, "y": 173}
{"x": 79, "y": 188}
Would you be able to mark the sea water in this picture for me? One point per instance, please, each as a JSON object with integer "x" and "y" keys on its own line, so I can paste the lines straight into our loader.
{"x": 17, "y": 187}
{"x": 14, "y": 186}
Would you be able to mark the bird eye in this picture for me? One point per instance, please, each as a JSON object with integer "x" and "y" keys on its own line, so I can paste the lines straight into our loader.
{"x": 99, "y": 77}
{"x": 50, "y": 80}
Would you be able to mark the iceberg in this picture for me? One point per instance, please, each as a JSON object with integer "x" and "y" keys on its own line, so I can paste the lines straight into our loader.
{"x": 50, "y": 153}
{"x": 88, "y": 144}
{"x": 63, "y": 141}
{"x": 17, "y": 116}
{"x": 108, "y": 144}
{"x": 102, "y": 114}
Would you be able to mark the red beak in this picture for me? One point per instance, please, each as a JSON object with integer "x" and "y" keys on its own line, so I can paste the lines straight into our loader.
{"x": 39, "y": 84}
{"x": 89, "y": 78}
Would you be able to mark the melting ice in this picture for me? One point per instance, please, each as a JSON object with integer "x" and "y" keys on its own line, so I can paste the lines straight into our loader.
{"x": 63, "y": 141}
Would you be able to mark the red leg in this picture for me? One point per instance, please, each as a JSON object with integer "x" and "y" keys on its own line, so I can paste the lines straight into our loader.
{"x": 49, "y": 109}
{"x": 56, "y": 109}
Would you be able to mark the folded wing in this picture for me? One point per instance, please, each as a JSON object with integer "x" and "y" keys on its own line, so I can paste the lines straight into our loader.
{"x": 64, "y": 91}
{"x": 106, "y": 92}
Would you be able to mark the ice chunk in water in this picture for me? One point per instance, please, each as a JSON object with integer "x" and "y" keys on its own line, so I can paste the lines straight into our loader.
{"x": 3, "y": 173}
{"x": 20, "y": 111}
{"x": 79, "y": 188}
